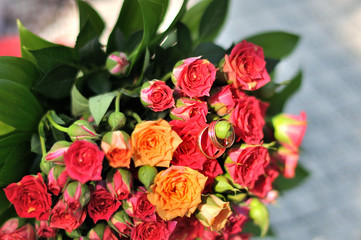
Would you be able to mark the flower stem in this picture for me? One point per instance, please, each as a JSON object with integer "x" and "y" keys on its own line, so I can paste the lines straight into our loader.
{"x": 54, "y": 124}
{"x": 41, "y": 137}
{"x": 136, "y": 117}
{"x": 166, "y": 77}
{"x": 117, "y": 99}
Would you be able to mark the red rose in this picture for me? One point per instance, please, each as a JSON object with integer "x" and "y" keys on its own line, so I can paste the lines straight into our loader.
{"x": 234, "y": 226}
{"x": 138, "y": 206}
{"x": 187, "y": 153}
{"x": 187, "y": 108}
{"x": 66, "y": 218}
{"x": 57, "y": 178}
{"x": 246, "y": 67}
{"x": 10, "y": 231}
{"x": 83, "y": 161}
{"x": 154, "y": 230}
{"x": 30, "y": 197}
{"x": 248, "y": 119}
{"x": 211, "y": 169}
{"x": 157, "y": 95}
{"x": 225, "y": 99}
{"x": 188, "y": 228}
{"x": 247, "y": 164}
{"x": 44, "y": 230}
{"x": 102, "y": 204}
{"x": 194, "y": 76}
{"x": 263, "y": 185}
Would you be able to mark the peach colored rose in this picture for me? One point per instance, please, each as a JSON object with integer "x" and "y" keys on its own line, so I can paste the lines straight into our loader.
{"x": 176, "y": 192}
{"x": 153, "y": 143}
{"x": 117, "y": 148}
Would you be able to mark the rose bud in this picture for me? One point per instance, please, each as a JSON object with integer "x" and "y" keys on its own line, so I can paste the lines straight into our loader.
{"x": 139, "y": 207}
{"x": 64, "y": 217}
{"x": 83, "y": 161}
{"x": 121, "y": 223}
{"x": 225, "y": 99}
{"x": 118, "y": 183}
{"x": 187, "y": 108}
{"x": 82, "y": 130}
{"x": 116, "y": 120}
{"x": 117, "y": 148}
{"x": 156, "y": 95}
{"x": 213, "y": 212}
{"x": 30, "y": 197}
{"x": 102, "y": 204}
{"x": 194, "y": 76}
{"x": 289, "y": 158}
{"x": 290, "y": 129}
{"x": 101, "y": 232}
{"x": 117, "y": 63}
{"x": 10, "y": 230}
{"x": 246, "y": 66}
{"x": 44, "y": 230}
{"x": 56, "y": 153}
{"x": 259, "y": 214}
{"x": 76, "y": 195}
{"x": 57, "y": 178}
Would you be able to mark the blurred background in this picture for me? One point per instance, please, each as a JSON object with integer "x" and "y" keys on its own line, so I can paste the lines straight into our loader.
{"x": 328, "y": 204}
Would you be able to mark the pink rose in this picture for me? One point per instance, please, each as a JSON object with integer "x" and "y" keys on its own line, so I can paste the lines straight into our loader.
{"x": 57, "y": 178}
{"x": 234, "y": 226}
{"x": 44, "y": 230}
{"x": 187, "y": 153}
{"x": 138, "y": 206}
{"x": 157, "y": 95}
{"x": 290, "y": 129}
{"x": 83, "y": 161}
{"x": 122, "y": 223}
{"x": 246, "y": 67}
{"x": 247, "y": 164}
{"x": 119, "y": 182}
{"x": 10, "y": 231}
{"x": 102, "y": 204}
{"x": 194, "y": 76}
{"x": 248, "y": 119}
{"x": 105, "y": 234}
{"x": 30, "y": 197}
{"x": 153, "y": 230}
{"x": 289, "y": 159}
{"x": 66, "y": 218}
{"x": 187, "y": 108}
{"x": 225, "y": 99}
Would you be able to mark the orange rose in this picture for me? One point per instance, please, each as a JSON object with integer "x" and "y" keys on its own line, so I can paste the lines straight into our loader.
{"x": 153, "y": 143}
{"x": 176, "y": 192}
{"x": 116, "y": 146}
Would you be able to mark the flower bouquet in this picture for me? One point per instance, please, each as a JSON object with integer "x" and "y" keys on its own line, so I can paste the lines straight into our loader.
{"x": 154, "y": 135}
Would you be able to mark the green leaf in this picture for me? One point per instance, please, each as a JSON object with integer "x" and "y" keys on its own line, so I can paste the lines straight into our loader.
{"x": 210, "y": 51}
{"x": 146, "y": 175}
{"x": 99, "y": 105}
{"x": 49, "y": 58}
{"x": 19, "y": 70}
{"x": 259, "y": 214}
{"x": 9, "y": 213}
{"x": 7, "y": 143}
{"x": 57, "y": 83}
{"x": 91, "y": 24}
{"x": 15, "y": 165}
{"x": 279, "y": 99}
{"x": 4, "y": 202}
{"x": 192, "y": 17}
{"x": 184, "y": 39}
{"x": 5, "y": 129}
{"x": 79, "y": 104}
{"x": 99, "y": 82}
{"x": 30, "y": 41}
{"x": 275, "y": 45}
{"x": 153, "y": 12}
{"x": 213, "y": 20}
{"x": 18, "y": 106}
{"x": 283, "y": 184}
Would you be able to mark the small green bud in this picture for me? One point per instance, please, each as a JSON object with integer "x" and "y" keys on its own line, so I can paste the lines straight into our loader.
{"x": 116, "y": 120}
{"x": 223, "y": 129}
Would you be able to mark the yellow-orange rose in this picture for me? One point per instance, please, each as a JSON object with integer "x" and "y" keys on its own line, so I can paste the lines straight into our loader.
{"x": 153, "y": 143}
{"x": 176, "y": 192}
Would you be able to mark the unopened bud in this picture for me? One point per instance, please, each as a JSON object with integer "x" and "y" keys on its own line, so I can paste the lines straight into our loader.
{"x": 82, "y": 130}
{"x": 117, "y": 63}
{"x": 116, "y": 120}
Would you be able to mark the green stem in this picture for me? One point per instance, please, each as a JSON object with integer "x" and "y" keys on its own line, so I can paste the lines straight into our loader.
{"x": 166, "y": 77}
{"x": 136, "y": 117}
{"x": 117, "y": 100}
{"x": 42, "y": 139}
{"x": 54, "y": 124}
